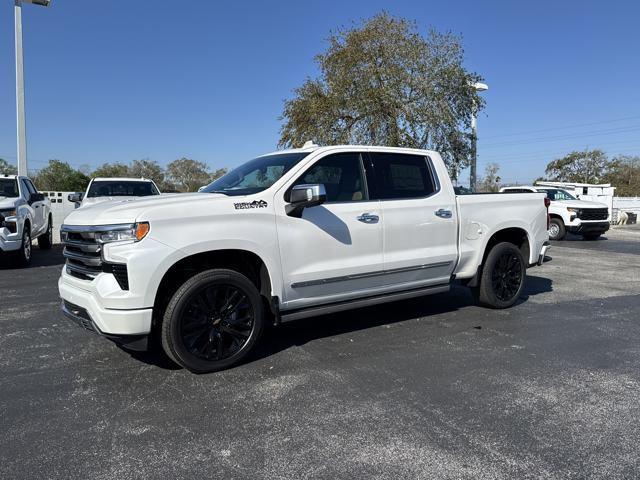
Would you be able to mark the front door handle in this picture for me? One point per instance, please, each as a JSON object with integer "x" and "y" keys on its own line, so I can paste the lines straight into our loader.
{"x": 442, "y": 213}
{"x": 368, "y": 218}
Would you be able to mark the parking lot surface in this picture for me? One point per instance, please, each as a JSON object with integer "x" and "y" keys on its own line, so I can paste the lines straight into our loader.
{"x": 430, "y": 388}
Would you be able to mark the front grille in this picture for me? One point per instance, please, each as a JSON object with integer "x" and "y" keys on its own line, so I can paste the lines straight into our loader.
{"x": 84, "y": 257}
{"x": 593, "y": 214}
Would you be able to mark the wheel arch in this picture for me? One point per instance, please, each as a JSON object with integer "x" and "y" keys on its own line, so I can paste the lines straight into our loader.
{"x": 243, "y": 261}
{"x": 518, "y": 236}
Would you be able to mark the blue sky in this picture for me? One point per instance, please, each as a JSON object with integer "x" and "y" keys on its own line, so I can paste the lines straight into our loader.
{"x": 117, "y": 80}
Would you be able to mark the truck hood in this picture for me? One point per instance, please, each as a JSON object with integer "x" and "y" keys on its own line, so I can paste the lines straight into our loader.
{"x": 579, "y": 204}
{"x": 7, "y": 202}
{"x": 93, "y": 200}
{"x": 139, "y": 208}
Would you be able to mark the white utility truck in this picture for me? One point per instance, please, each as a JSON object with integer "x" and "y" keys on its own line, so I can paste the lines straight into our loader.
{"x": 109, "y": 189}
{"x": 25, "y": 214}
{"x": 292, "y": 234}
{"x": 568, "y": 214}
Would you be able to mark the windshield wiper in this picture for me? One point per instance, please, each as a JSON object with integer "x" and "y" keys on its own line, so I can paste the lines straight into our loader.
{"x": 219, "y": 191}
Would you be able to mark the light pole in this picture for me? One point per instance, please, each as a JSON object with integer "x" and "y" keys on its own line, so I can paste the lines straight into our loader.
{"x": 22, "y": 130}
{"x": 480, "y": 87}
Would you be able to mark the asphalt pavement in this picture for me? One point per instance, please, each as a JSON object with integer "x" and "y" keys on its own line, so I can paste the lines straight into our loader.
{"x": 429, "y": 388}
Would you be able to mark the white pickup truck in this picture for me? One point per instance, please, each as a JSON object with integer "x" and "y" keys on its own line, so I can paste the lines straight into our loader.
{"x": 109, "y": 189}
{"x": 25, "y": 214}
{"x": 288, "y": 235}
{"x": 568, "y": 214}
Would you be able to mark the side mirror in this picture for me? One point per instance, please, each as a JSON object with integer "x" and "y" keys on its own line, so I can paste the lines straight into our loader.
{"x": 305, "y": 196}
{"x": 75, "y": 197}
{"x": 36, "y": 197}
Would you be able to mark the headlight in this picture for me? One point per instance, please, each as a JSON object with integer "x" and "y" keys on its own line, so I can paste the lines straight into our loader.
{"x": 120, "y": 233}
{"x": 574, "y": 210}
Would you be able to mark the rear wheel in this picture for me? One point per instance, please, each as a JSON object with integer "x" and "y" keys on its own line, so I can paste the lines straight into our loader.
{"x": 45, "y": 241}
{"x": 502, "y": 276}
{"x": 557, "y": 230}
{"x": 213, "y": 321}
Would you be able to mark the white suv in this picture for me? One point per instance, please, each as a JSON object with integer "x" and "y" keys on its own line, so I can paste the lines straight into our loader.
{"x": 568, "y": 214}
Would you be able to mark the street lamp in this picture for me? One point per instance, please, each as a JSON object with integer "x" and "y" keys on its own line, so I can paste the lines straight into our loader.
{"x": 479, "y": 87}
{"x": 22, "y": 131}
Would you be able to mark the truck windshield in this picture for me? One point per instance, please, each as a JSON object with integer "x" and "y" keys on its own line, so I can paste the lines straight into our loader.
{"x": 256, "y": 175}
{"x": 118, "y": 188}
{"x": 8, "y": 187}
{"x": 557, "y": 194}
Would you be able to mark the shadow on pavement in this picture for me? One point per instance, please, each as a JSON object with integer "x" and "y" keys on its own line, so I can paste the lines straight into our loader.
{"x": 39, "y": 258}
{"x": 300, "y": 332}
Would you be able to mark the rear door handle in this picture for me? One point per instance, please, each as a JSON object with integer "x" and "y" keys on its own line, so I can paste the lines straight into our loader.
{"x": 368, "y": 218}
{"x": 442, "y": 213}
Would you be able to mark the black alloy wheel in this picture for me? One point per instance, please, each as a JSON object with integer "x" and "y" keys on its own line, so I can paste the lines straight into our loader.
{"x": 216, "y": 322}
{"x": 212, "y": 321}
{"x": 502, "y": 277}
{"x": 506, "y": 276}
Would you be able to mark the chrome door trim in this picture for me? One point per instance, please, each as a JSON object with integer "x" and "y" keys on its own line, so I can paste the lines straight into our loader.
{"x": 378, "y": 273}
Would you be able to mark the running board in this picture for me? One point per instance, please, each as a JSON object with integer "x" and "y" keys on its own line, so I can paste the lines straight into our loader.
{"x": 288, "y": 316}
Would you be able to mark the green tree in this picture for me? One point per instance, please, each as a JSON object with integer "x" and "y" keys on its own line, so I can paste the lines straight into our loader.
{"x": 589, "y": 166}
{"x": 188, "y": 175}
{"x": 383, "y": 83}
{"x": 491, "y": 180}
{"x": 217, "y": 174}
{"x": 624, "y": 174}
{"x": 6, "y": 168}
{"x": 116, "y": 169}
{"x": 60, "y": 176}
{"x": 148, "y": 169}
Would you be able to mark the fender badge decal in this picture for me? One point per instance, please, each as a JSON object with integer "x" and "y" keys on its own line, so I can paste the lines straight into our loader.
{"x": 254, "y": 204}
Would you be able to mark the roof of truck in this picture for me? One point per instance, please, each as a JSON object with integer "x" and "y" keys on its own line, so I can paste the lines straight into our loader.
{"x": 121, "y": 179}
{"x": 311, "y": 147}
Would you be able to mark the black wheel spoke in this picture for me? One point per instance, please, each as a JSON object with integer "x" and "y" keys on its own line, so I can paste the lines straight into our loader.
{"x": 216, "y": 322}
{"x": 506, "y": 276}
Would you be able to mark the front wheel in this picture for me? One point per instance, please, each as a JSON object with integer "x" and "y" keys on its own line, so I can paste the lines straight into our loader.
{"x": 23, "y": 255}
{"x": 557, "y": 230}
{"x": 502, "y": 277}
{"x": 213, "y": 321}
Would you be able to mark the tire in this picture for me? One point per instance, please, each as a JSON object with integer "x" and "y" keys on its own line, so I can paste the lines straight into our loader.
{"x": 23, "y": 256}
{"x": 591, "y": 236}
{"x": 557, "y": 231}
{"x": 502, "y": 278}
{"x": 201, "y": 332}
{"x": 45, "y": 241}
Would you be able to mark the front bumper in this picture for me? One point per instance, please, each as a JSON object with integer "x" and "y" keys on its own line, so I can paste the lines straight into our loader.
{"x": 107, "y": 321}
{"x": 81, "y": 317}
{"x": 10, "y": 242}
{"x": 589, "y": 227}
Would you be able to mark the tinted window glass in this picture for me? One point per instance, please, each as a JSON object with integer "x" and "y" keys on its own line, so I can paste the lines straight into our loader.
{"x": 118, "y": 188}
{"x": 557, "y": 194}
{"x": 31, "y": 187}
{"x": 256, "y": 175}
{"x": 401, "y": 176}
{"x": 342, "y": 177}
{"x": 8, "y": 188}
{"x": 25, "y": 189}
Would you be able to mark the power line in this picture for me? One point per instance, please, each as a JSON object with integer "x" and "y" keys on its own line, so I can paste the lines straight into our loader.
{"x": 553, "y": 138}
{"x": 577, "y": 125}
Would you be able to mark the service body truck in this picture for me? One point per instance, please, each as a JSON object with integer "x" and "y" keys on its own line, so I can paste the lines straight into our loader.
{"x": 293, "y": 234}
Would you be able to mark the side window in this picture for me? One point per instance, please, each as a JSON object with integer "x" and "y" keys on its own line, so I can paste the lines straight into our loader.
{"x": 402, "y": 176}
{"x": 341, "y": 174}
{"x": 31, "y": 187}
{"x": 24, "y": 186}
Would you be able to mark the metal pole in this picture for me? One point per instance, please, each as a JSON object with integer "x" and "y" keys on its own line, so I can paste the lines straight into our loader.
{"x": 474, "y": 155}
{"x": 21, "y": 128}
